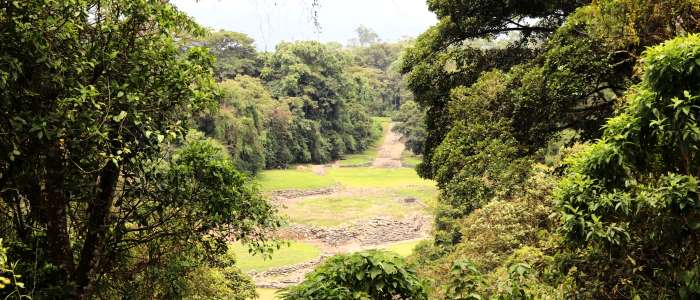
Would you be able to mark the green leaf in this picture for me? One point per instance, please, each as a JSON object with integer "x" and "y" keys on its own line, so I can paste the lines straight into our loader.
{"x": 120, "y": 116}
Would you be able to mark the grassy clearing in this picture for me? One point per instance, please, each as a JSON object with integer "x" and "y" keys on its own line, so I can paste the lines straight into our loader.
{"x": 361, "y": 159}
{"x": 360, "y": 204}
{"x": 368, "y": 177}
{"x": 295, "y": 253}
{"x": 425, "y": 194}
{"x": 404, "y": 248}
{"x": 267, "y": 294}
{"x": 334, "y": 211}
{"x": 408, "y": 159}
{"x": 361, "y": 177}
{"x": 274, "y": 180}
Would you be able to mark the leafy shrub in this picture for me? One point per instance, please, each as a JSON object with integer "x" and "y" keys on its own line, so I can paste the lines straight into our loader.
{"x": 221, "y": 280}
{"x": 363, "y": 275}
{"x": 10, "y": 282}
{"x": 631, "y": 199}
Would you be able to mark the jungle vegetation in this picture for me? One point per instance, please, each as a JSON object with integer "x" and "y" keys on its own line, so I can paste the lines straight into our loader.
{"x": 562, "y": 136}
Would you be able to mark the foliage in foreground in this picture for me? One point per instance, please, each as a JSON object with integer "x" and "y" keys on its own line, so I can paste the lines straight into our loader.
{"x": 363, "y": 275}
{"x": 630, "y": 203}
{"x": 100, "y": 192}
{"x": 627, "y": 204}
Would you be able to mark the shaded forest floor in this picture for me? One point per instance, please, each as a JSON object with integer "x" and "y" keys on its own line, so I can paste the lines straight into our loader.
{"x": 371, "y": 202}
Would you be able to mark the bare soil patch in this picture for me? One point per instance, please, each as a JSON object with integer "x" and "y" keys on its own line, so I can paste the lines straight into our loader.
{"x": 389, "y": 155}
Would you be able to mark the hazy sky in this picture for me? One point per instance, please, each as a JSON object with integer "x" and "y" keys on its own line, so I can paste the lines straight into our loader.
{"x": 271, "y": 21}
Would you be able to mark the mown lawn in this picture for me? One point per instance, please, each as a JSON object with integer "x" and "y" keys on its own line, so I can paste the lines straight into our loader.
{"x": 408, "y": 159}
{"x": 267, "y": 294}
{"x": 368, "y": 177}
{"x": 295, "y": 253}
{"x": 404, "y": 248}
{"x": 334, "y": 211}
{"x": 275, "y": 180}
{"x": 361, "y": 177}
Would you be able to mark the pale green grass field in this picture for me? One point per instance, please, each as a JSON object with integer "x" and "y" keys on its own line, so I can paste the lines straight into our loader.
{"x": 368, "y": 177}
{"x": 404, "y": 248}
{"x": 329, "y": 212}
{"x": 275, "y": 180}
{"x": 408, "y": 159}
{"x": 361, "y": 177}
{"x": 361, "y": 159}
{"x": 267, "y": 294}
{"x": 361, "y": 204}
{"x": 295, "y": 253}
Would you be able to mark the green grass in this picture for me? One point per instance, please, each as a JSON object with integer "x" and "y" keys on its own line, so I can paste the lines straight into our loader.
{"x": 426, "y": 194}
{"x": 409, "y": 159}
{"x": 361, "y": 177}
{"x": 360, "y": 204}
{"x": 367, "y": 177}
{"x": 329, "y": 212}
{"x": 274, "y": 180}
{"x": 361, "y": 159}
{"x": 295, "y": 253}
{"x": 267, "y": 294}
{"x": 404, "y": 248}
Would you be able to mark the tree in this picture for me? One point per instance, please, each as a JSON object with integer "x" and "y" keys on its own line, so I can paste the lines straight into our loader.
{"x": 94, "y": 96}
{"x": 412, "y": 126}
{"x": 235, "y": 54}
{"x": 375, "y": 66}
{"x": 631, "y": 199}
{"x": 365, "y": 36}
{"x": 312, "y": 77}
{"x": 239, "y": 121}
{"x": 568, "y": 65}
{"x": 362, "y": 275}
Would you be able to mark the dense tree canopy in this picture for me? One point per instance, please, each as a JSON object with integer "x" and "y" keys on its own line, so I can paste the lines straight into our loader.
{"x": 634, "y": 193}
{"x": 508, "y": 86}
{"x": 411, "y": 125}
{"x": 313, "y": 77}
{"x": 235, "y": 54}
{"x": 245, "y": 106}
{"x": 98, "y": 186}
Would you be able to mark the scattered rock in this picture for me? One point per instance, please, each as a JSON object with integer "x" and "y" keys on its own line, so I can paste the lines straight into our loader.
{"x": 292, "y": 194}
{"x": 375, "y": 231}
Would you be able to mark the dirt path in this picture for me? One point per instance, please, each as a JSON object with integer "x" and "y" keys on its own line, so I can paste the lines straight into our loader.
{"x": 389, "y": 155}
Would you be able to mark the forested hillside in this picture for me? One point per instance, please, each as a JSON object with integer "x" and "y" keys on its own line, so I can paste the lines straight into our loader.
{"x": 563, "y": 146}
{"x": 144, "y": 156}
{"x": 130, "y": 139}
{"x": 305, "y": 102}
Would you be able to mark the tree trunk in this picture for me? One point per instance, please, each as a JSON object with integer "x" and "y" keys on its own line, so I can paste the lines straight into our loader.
{"x": 59, "y": 251}
{"x": 99, "y": 211}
